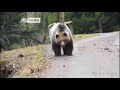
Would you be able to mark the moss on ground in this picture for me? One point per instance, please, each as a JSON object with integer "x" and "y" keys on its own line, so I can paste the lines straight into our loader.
{"x": 83, "y": 36}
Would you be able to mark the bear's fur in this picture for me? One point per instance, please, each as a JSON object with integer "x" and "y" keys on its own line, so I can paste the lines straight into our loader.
{"x": 61, "y": 36}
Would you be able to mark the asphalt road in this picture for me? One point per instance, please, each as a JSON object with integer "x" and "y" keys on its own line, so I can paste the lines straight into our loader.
{"x": 96, "y": 57}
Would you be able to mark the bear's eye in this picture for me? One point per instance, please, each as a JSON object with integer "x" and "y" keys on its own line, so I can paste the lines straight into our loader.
{"x": 57, "y": 36}
{"x": 65, "y": 34}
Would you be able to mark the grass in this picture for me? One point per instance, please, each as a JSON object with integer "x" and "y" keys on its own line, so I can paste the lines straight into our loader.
{"x": 32, "y": 57}
{"x": 24, "y": 76}
{"x": 83, "y": 36}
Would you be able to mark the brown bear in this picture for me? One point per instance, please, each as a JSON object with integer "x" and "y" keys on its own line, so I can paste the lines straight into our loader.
{"x": 61, "y": 37}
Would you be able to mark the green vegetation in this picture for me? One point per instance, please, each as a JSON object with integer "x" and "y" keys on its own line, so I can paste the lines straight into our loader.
{"x": 28, "y": 60}
{"x": 22, "y": 44}
{"x": 83, "y": 36}
{"x": 15, "y": 34}
{"x": 93, "y": 22}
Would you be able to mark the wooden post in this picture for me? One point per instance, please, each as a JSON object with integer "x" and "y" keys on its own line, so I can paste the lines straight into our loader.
{"x": 100, "y": 25}
{"x": 61, "y": 17}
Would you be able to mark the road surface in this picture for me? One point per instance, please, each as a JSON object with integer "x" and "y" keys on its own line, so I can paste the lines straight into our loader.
{"x": 96, "y": 57}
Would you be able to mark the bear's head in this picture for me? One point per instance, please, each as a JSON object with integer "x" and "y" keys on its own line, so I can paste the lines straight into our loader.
{"x": 62, "y": 37}
{"x": 61, "y": 32}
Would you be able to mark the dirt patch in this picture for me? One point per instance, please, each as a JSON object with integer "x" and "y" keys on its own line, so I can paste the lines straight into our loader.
{"x": 22, "y": 62}
{"x": 7, "y": 70}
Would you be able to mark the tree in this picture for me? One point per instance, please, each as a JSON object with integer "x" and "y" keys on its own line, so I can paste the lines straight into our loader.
{"x": 14, "y": 34}
{"x": 101, "y": 19}
{"x": 61, "y": 17}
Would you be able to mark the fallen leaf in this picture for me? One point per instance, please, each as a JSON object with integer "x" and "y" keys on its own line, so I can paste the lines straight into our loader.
{"x": 42, "y": 75}
{"x": 49, "y": 57}
{"x": 20, "y": 55}
{"x": 64, "y": 65}
{"x": 27, "y": 71}
{"x": 106, "y": 48}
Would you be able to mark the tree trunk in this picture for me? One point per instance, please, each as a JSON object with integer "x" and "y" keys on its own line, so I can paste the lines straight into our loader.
{"x": 61, "y": 20}
{"x": 61, "y": 17}
{"x": 100, "y": 25}
{"x": 26, "y": 23}
{"x": 44, "y": 27}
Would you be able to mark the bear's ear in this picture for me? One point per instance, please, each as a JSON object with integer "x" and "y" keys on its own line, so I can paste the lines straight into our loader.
{"x": 49, "y": 26}
{"x": 68, "y": 23}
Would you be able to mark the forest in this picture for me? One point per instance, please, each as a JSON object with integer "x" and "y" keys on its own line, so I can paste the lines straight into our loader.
{"x": 15, "y": 34}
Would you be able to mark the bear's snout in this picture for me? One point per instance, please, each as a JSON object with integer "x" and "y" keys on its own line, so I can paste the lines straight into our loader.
{"x": 63, "y": 45}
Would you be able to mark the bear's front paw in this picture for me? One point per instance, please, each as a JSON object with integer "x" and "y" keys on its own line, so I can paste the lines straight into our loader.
{"x": 57, "y": 54}
{"x": 70, "y": 54}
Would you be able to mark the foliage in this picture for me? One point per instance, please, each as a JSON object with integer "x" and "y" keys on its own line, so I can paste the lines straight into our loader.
{"x": 83, "y": 36}
{"x": 14, "y": 34}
